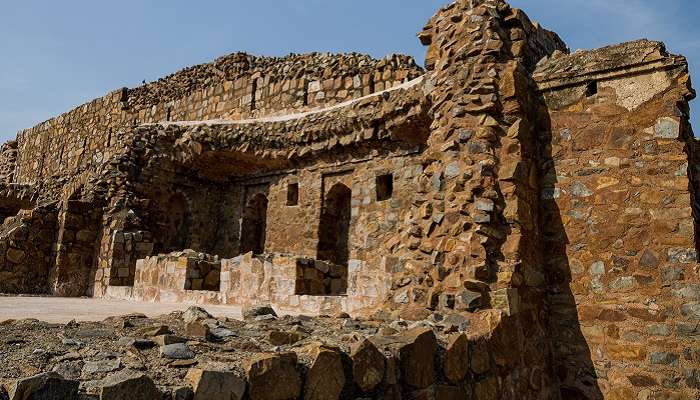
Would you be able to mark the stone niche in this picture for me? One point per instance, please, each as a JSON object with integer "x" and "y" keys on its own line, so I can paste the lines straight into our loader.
{"x": 320, "y": 278}
{"x": 203, "y": 275}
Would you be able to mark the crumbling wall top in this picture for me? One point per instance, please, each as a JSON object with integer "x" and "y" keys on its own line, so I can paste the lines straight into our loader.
{"x": 643, "y": 53}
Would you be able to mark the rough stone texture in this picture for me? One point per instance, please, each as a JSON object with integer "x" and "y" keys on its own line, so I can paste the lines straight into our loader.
{"x": 325, "y": 378}
{"x": 545, "y": 201}
{"x": 128, "y": 385}
{"x": 45, "y": 386}
{"x": 274, "y": 377}
{"x": 215, "y": 385}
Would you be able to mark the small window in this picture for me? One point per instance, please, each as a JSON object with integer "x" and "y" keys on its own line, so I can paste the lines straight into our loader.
{"x": 591, "y": 88}
{"x": 293, "y": 194}
{"x": 385, "y": 186}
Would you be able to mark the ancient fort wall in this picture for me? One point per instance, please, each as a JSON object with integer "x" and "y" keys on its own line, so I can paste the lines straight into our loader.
{"x": 237, "y": 86}
{"x": 618, "y": 220}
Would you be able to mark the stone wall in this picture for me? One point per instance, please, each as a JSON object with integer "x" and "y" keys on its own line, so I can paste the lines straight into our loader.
{"x": 26, "y": 250}
{"x": 549, "y": 198}
{"x": 249, "y": 280}
{"x": 236, "y": 86}
{"x": 619, "y": 222}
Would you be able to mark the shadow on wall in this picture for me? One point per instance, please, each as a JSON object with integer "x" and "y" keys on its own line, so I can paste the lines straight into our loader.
{"x": 572, "y": 359}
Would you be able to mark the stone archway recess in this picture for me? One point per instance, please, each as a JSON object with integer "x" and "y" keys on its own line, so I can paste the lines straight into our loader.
{"x": 334, "y": 226}
{"x": 254, "y": 224}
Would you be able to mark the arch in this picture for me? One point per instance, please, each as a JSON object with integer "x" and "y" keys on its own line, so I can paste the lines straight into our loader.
{"x": 334, "y": 226}
{"x": 176, "y": 226}
{"x": 254, "y": 224}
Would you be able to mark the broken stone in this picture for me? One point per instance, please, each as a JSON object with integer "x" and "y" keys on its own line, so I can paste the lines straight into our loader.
{"x": 177, "y": 351}
{"x": 128, "y": 385}
{"x": 273, "y": 377}
{"x": 107, "y": 365}
{"x": 45, "y": 386}
{"x": 368, "y": 365}
{"x": 215, "y": 385}
{"x": 252, "y": 312}
{"x": 164, "y": 340}
{"x": 279, "y": 338}
{"x": 194, "y": 313}
{"x": 326, "y": 378}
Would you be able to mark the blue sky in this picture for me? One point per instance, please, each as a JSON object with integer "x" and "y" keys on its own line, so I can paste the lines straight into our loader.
{"x": 56, "y": 55}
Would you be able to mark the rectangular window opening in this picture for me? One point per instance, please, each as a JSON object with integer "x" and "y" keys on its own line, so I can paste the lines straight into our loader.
{"x": 591, "y": 89}
{"x": 293, "y": 194}
{"x": 385, "y": 186}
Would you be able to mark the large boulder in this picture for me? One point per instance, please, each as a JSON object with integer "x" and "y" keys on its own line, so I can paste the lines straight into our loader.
{"x": 128, "y": 385}
{"x": 326, "y": 378}
{"x": 46, "y": 386}
{"x": 368, "y": 365}
{"x": 273, "y": 377}
{"x": 215, "y": 385}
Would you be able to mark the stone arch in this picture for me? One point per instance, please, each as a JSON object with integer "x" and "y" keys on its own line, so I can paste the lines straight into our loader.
{"x": 254, "y": 224}
{"x": 334, "y": 226}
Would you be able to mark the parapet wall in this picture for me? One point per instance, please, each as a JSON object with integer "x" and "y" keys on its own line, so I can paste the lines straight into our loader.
{"x": 233, "y": 87}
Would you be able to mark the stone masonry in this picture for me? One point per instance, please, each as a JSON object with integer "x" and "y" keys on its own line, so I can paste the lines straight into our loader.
{"x": 548, "y": 195}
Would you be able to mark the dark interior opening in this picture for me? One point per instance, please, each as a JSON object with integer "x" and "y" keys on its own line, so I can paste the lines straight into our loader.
{"x": 320, "y": 278}
{"x": 176, "y": 227}
{"x": 334, "y": 227}
{"x": 253, "y": 225}
{"x": 385, "y": 186}
{"x": 293, "y": 194}
{"x": 203, "y": 275}
{"x": 591, "y": 88}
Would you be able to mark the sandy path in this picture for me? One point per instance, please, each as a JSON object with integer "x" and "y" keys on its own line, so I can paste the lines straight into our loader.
{"x": 62, "y": 310}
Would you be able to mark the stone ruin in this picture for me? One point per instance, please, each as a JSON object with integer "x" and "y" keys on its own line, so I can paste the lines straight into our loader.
{"x": 548, "y": 195}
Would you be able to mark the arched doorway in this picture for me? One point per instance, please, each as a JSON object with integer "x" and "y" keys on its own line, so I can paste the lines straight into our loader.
{"x": 334, "y": 227}
{"x": 176, "y": 229}
{"x": 253, "y": 225}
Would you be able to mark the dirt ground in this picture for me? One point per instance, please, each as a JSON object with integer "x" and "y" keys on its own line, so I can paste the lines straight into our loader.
{"x": 62, "y": 310}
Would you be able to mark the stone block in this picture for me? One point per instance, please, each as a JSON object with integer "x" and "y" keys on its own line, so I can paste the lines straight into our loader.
{"x": 273, "y": 377}
{"x": 48, "y": 385}
{"x": 215, "y": 385}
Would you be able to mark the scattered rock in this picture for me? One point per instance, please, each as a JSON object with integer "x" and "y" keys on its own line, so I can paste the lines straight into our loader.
{"x": 325, "y": 379}
{"x": 155, "y": 331}
{"x": 279, "y": 338}
{"x": 69, "y": 369}
{"x": 252, "y": 312}
{"x": 107, "y": 365}
{"x": 164, "y": 340}
{"x": 273, "y": 377}
{"x": 220, "y": 333}
{"x": 46, "y": 386}
{"x": 214, "y": 385}
{"x": 177, "y": 351}
{"x": 197, "y": 329}
{"x": 368, "y": 365}
{"x": 128, "y": 385}
{"x": 195, "y": 314}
